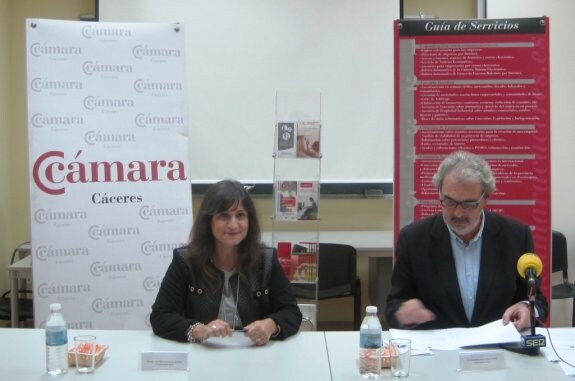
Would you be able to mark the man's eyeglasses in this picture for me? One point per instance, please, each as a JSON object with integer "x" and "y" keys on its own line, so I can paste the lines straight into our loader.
{"x": 450, "y": 203}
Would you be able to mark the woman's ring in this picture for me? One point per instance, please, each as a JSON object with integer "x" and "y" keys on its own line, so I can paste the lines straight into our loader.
{"x": 214, "y": 327}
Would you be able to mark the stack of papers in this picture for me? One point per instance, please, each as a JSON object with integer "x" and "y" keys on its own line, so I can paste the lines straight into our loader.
{"x": 560, "y": 341}
{"x": 454, "y": 338}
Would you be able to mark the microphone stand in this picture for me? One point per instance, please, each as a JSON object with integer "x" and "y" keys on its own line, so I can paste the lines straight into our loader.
{"x": 529, "y": 344}
{"x": 532, "y": 309}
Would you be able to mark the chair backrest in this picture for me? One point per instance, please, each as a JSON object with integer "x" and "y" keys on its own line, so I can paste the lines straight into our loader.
{"x": 20, "y": 252}
{"x": 337, "y": 266}
{"x": 558, "y": 252}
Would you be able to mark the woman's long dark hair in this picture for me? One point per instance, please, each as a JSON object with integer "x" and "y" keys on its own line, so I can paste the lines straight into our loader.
{"x": 218, "y": 198}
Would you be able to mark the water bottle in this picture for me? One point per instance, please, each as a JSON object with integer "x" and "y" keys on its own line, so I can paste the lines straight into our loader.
{"x": 56, "y": 341}
{"x": 370, "y": 343}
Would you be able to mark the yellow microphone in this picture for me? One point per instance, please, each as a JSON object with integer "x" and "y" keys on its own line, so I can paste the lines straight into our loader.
{"x": 529, "y": 266}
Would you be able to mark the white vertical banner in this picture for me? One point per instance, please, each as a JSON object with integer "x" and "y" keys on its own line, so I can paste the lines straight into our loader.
{"x": 109, "y": 174}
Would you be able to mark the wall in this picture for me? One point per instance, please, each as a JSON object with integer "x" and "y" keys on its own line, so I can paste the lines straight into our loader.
{"x": 5, "y": 133}
{"x": 358, "y": 214}
{"x": 337, "y": 214}
{"x": 445, "y": 9}
{"x": 562, "y": 56}
{"x": 240, "y": 54}
{"x": 14, "y": 196}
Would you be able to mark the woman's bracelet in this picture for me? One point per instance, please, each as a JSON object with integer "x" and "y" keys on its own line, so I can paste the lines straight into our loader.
{"x": 191, "y": 338}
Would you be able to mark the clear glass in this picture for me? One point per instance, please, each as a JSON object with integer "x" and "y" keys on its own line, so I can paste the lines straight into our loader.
{"x": 85, "y": 353}
{"x": 400, "y": 353}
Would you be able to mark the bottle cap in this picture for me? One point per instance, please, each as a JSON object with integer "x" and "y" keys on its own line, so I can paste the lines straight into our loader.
{"x": 55, "y": 307}
{"x": 371, "y": 309}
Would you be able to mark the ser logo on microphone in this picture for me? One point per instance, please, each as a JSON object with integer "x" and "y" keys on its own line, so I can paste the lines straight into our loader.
{"x": 533, "y": 341}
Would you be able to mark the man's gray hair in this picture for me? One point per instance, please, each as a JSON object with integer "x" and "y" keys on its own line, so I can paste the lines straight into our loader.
{"x": 466, "y": 167}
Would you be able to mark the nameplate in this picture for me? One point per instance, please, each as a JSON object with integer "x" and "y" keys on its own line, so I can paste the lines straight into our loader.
{"x": 481, "y": 360}
{"x": 162, "y": 360}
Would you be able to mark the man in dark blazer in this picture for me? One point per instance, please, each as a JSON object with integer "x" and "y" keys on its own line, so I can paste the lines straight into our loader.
{"x": 458, "y": 268}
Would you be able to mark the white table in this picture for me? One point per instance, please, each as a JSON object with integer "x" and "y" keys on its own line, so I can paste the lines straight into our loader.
{"x": 302, "y": 357}
{"x": 442, "y": 365}
{"x": 313, "y": 356}
{"x": 17, "y": 271}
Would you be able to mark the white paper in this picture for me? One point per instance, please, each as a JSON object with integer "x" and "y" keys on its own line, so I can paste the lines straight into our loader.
{"x": 454, "y": 338}
{"x": 563, "y": 349}
{"x": 238, "y": 339}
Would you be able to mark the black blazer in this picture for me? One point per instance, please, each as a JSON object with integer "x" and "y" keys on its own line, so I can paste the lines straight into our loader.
{"x": 185, "y": 298}
{"x": 425, "y": 269}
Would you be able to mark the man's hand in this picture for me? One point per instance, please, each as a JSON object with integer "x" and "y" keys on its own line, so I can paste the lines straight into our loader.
{"x": 519, "y": 315}
{"x": 413, "y": 312}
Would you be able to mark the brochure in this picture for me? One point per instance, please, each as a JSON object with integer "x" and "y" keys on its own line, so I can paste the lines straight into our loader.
{"x": 307, "y": 196}
{"x": 300, "y": 139}
{"x": 308, "y": 139}
{"x": 286, "y": 203}
{"x": 297, "y": 200}
{"x": 299, "y": 260}
{"x": 286, "y": 134}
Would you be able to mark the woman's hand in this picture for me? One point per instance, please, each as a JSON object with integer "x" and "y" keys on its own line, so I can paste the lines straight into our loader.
{"x": 215, "y": 328}
{"x": 260, "y": 331}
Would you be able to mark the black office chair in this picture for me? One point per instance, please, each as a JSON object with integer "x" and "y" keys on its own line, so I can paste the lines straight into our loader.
{"x": 566, "y": 289}
{"x": 337, "y": 278}
{"x": 25, "y": 304}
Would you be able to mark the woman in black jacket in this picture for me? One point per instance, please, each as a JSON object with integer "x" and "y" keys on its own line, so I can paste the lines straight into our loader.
{"x": 224, "y": 280}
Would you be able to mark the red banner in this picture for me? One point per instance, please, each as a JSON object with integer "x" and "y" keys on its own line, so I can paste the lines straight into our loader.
{"x": 480, "y": 86}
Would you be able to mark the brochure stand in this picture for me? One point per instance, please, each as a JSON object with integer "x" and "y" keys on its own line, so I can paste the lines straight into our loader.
{"x": 297, "y": 173}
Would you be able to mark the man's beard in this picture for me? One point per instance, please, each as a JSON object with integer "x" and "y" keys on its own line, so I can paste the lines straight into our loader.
{"x": 456, "y": 225}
